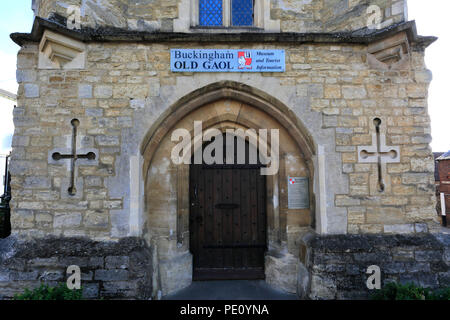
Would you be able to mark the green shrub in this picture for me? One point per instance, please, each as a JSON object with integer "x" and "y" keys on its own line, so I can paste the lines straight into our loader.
{"x": 45, "y": 292}
{"x": 441, "y": 294}
{"x": 410, "y": 291}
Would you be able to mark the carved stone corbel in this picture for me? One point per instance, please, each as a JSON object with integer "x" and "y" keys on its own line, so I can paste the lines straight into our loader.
{"x": 390, "y": 54}
{"x": 61, "y": 52}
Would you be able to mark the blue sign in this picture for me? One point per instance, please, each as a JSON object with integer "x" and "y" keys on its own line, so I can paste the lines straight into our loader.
{"x": 227, "y": 60}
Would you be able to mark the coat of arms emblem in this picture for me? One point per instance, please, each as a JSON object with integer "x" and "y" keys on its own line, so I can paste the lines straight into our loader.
{"x": 245, "y": 59}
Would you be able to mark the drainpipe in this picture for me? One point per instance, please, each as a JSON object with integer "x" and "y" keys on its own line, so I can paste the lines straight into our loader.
{"x": 5, "y": 179}
{"x": 443, "y": 210}
{"x": 5, "y": 211}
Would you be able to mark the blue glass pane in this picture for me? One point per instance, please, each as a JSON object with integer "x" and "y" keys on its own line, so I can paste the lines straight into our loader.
{"x": 210, "y": 12}
{"x": 242, "y": 12}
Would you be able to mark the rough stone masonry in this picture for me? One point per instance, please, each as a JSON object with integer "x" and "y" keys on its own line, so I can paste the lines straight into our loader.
{"x": 351, "y": 108}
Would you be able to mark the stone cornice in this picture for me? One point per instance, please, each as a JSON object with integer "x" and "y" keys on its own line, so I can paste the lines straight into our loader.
{"x": 363, "y": 36}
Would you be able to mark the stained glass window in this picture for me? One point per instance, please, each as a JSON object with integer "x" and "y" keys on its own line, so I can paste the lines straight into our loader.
{"x": 242, "y": 12}
{"x": 210, "y": 12}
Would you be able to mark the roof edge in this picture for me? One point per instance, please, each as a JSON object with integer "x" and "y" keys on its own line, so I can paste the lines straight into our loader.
{"x": 110, "y": 34}
{"x": 445, "y": 156}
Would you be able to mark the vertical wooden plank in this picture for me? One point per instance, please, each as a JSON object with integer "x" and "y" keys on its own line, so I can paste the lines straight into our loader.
{"x": 217, "y": 198}
{"x": 201, "y": 226}
{"x": 237, "y": 236}
{"x": 227, "y": 217}
{"x": 245, "y": 214}
{"x": 192, "y": 211}
{"x": 262, "y": 216}
{"x": 253, "y": 227}
{"x": 208, "y": 218}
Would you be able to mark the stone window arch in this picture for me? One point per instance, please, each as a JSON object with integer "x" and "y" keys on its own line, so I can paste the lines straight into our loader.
{"x": 225, "y": 16}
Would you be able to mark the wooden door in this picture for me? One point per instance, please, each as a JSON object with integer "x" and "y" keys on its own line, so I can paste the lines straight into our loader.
{"x": 227, "y": 221}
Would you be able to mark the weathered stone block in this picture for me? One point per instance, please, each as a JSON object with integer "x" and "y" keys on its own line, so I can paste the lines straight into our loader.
{"x": 87, "y": 276}
{"x": 37, "y": 182}
{"x": 31, "y": 90}
{"x": 354, "y": 92}
{"x": 428, "y": 256}
{"x": 77, "y": 261}
{"x": 403, "y": 255}
{"x": 352, "y": 269}
{"x": 124, "y": 289}
{"x": 373, "y": 257}
{"x": 67, "y": 220}
{"x": 173, "y": 273}
{"x": 26, "y": 76}
{"x": 96, "y": 219}
{"x": 444, "y": 279}
{"x": 94, "y": 112}
{"x": 421, "y": 227}
{"x": 85, "y": 91}
{"x": 422, "y": 165}
{"x": 417, "y": 267}
{"x": 96, "y": 262}
{"x": 399, "y": 228}
{"x": 111, "y": 275}
{"x": 281, "y": 272}
{"x": 117, "y": 262}
{"x": 52, "y": 276}
{"x": 24, "y": 276}
{"x": 322, "y": 288}
{"x": 91, "y": 290}
{"x": 4, "y": 275}
{"x": 20, "y": 141}
{"x": 107, "y": 140}
{"x": 342, "y": 200}
{"x": 386, "y": 215}
{"x": 393, "y": 268}
{"x": 44, "y": 262}
{"x": 103, "y": 91}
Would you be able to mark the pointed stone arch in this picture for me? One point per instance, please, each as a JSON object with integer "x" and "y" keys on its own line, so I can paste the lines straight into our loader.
{"x": 226, "y": 90}
{"x": 224, "y": 105}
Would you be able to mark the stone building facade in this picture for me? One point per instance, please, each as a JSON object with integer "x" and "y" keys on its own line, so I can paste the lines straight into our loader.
{"x": 350, "y": 107}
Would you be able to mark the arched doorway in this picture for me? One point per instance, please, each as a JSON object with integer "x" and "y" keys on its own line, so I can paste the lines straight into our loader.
{"x": 227, "y": 219}
{"x": 168, "y": 227}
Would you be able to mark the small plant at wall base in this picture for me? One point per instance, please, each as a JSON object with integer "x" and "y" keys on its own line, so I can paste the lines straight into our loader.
{"x": 394, "y": 291}
{"x": 45, "y": 292}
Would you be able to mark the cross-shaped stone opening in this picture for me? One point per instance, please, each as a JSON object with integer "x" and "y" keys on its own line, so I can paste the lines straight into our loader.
{"x": 379, "y": 153}
{"x": 73, "y": 156}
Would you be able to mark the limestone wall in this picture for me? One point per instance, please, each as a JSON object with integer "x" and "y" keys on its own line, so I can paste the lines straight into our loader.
{"x": 120, "y": 270}
{"x": 290, "y": 15}
{"x": 334, "y": 91}
{"x": 339, "y": 264}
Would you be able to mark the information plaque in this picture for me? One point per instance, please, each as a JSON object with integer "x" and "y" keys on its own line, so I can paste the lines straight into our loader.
{"x": 227, "y": 60}
{"x": 298, "y": 193}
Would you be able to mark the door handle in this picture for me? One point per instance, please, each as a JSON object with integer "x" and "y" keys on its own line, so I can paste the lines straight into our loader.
{"x": 195, "y": 197}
